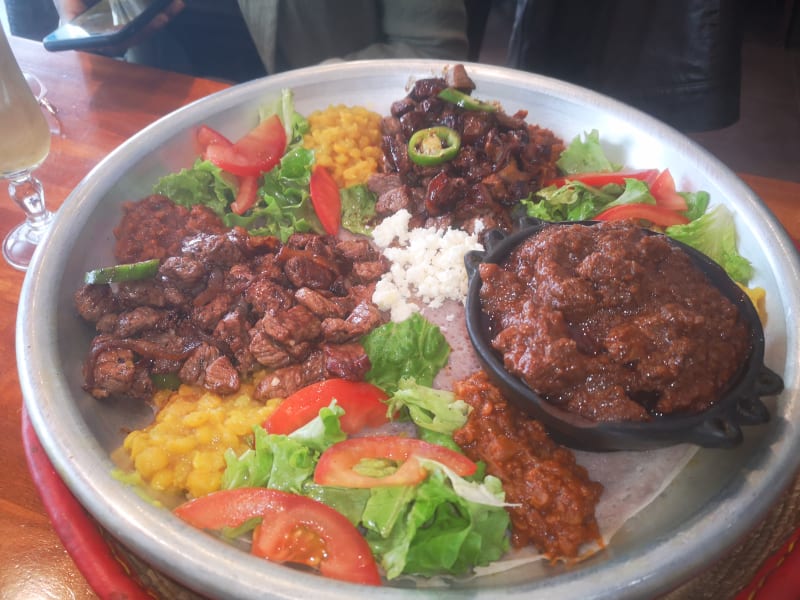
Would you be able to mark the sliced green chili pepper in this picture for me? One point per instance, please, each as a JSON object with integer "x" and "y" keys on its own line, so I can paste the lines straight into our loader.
{"x": 465, "y": 100}
{"x": 166, "y": 381}
{"x": 127, "y": 272}
{"x": 433, "y": 146}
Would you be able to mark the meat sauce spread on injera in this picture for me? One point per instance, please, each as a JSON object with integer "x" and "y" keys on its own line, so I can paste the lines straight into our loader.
{"x": 555, "y": 497}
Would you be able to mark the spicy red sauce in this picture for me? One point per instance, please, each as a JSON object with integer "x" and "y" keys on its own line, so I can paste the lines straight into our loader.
{"x": 556, "y": 498}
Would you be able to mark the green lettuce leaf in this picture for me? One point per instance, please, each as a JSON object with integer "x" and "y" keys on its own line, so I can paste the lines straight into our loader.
{"x": 585, "y": 156}
{"x": 358, "y": 208}
{"x": 203, "y": 183}
{"x": 489, "y": 491}
{"x": 350, "y": 502}
{"x": 253, "y": 467}
{"x": 576, "y": 201}
{"x": 442, "y": 439}
{"x": 441, "y": 532}
{"x": 429, "y": 408}
{"x": 386, "y": 505}
{"x": 414, "y": 348}
{"x": 323, "y": 431}
{"x": 714, "y": 234}
{"x": 295, "y": 124}
{"x": 284, "y": 462}
{"x": 284, "y": 203}
{"x": 697, "y": 202}
{"x": 275, "y": 462}
{"x": 636, "y": 191}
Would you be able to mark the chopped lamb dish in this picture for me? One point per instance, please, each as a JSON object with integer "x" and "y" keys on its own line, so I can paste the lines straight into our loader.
{"x": 501, "y": 159}
{"x": 225, "y": 304}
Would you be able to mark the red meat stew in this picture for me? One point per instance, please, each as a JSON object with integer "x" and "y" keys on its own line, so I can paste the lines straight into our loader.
{"x": 611, "y": 323}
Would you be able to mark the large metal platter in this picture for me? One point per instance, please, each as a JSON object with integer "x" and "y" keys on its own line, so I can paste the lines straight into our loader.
{"x": 712, "y": 504}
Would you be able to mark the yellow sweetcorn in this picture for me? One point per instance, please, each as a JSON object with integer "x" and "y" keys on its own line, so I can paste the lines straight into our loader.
{"x": 346, "y": 141}
{"x": 758, "y": 296}
{"x": 182, "y": 451}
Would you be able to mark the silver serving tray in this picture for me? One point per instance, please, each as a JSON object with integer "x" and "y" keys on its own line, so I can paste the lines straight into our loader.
{"x": 712, "y": 504}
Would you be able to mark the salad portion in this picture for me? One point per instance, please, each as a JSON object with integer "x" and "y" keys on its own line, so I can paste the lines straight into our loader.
{"x": 593, "y": 188}
{"x": 295, "y": 409}
{"x": 421, "y": 507}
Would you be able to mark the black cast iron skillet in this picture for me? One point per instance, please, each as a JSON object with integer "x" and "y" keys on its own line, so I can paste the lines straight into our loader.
{"x": 718, "y": 427}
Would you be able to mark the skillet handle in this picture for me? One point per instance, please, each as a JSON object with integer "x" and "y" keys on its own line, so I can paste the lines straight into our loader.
{"x": 751, "y": 411}
{"x": 471, "y": 261}
{"x": 492, "y": 238}
{"x": 524, "y": 221}
{"x": 717, "y": 432}
{"x": 768, "y": 383}
{"x": 475, "y": 257}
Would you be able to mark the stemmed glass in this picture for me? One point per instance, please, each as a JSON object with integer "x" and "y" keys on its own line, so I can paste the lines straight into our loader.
{"x": 40, "y": 93}
{"x": 24, "y": 144}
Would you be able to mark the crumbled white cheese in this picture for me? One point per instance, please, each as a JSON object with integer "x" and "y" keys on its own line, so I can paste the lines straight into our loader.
{"x": 427, "y": 264}
{"x": 392, "y": 228}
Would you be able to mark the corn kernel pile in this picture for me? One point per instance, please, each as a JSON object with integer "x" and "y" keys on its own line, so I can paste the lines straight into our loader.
{"x": 182, "y": 451}
{"x": 758, "y": 296}
{"x": 346, "y": 141}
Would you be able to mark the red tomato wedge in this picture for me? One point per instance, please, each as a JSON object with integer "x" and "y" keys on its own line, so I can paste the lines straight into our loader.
{"x": 206, "y": 136}
{"x": 294, "y": 529}
{"x": 336, "y": 465}
{"x": 663, "y": 190}
{"x": 257, "y": 152}
{"x": 247, "y": 194}
{"x": 655, "y": 214}
{"x": 601, "y": 179}
{"x": 326, "y": 200}
{"x": 362, "y": 403}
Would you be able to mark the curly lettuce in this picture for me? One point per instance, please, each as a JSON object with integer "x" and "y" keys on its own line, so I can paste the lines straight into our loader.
{"x": 585, "y": 156}
{"x": 433, "y": 529}
{"x": 414, "y": 348}
{"x": 577, "y": 201}
{"x": 204, "y": 183}
{"x": 714, "y": 234}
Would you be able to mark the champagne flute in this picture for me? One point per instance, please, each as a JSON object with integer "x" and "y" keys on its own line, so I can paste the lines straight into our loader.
{"x": 24, "y": 144}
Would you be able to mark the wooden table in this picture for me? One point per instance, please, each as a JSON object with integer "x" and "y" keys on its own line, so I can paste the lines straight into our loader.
{"x": 101, "y": 103}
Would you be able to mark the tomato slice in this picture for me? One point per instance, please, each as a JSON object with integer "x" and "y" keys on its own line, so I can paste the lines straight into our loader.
{"x": 318, "y": 537}
{"x": 326, "y": 200}
{"x": 362, "y": 403}
{"x": 247, "y": 195}
{"x": 257, "y": 152}
{"x": 336, "y": 465}
{"x": 207, "y": 136}
{"x": 601, "y": 179}
{"x": 663, "y": 190}
{"x": 655, "y": 214}
{"x": 294, "y": 529}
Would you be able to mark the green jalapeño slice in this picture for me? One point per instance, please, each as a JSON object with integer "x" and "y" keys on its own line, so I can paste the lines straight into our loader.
{"x": 434, "y": 145}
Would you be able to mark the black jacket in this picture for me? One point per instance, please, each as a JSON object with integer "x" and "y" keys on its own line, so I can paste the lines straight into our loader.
{"x": 679, "y": 60}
